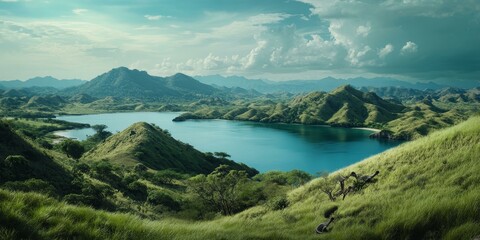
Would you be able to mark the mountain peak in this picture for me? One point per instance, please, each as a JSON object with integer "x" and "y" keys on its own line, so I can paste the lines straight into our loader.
{"x": 177, "y": 75}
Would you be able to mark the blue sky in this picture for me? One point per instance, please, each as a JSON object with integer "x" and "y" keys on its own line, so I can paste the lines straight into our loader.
{"x": 422, "y": 40}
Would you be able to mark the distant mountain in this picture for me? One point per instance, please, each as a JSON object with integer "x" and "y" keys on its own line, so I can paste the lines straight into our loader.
{"x": 42, "y": 82}
{"x": 301, "y": 86}
{"x": 446, "y": 95}
{"x": 123, "y": 82}
{"x": 156, "y": 149}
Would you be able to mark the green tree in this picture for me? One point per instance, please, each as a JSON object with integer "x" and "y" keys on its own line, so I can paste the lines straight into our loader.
{"x": 156, "y": 197}
{"x": 167, "y": 176}
{"x": 103, "y": 167}
{"x": 100, "y": 128}
{"x": 222, "y": 155}
{"x": 220, "y": 189}
{"x": 72, "y": 148}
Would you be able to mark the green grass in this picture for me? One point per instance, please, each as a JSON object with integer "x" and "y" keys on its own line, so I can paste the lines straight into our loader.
{"x": 156, "y": 149}
{"x": 427, "y": 189}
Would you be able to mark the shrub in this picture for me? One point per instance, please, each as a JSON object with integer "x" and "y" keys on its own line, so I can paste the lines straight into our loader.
{"x": 72, "y": 148}
{"x": 31, "y": 185}
{"x": 161, "y": 198}
{"x": 16, "y": 162}
{"x": 137, "y": 190}
{"x": 278, "y": 203}
{"x": 167, "y": 176}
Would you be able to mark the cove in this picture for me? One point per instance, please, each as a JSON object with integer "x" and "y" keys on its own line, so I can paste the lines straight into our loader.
{"x": 263, "y": 146}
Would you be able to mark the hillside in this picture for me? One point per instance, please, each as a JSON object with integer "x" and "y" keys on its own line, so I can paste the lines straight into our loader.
{"x": 156, "y": 149}
{"x": 426, "y": 189}
{"x": 20, "y": 160}
{"x": 345, "y": 106}
{"x": 123, "y": 82}
{"x": 448, "y": 95}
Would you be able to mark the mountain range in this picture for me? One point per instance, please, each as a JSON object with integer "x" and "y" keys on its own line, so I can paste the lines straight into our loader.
{"x": 344, "y": 106}
{"x": 121, "y": 82}
{"x": 445, "y": 95}
{"x": 300, "y": 86}
{"x": 48, "y": 82}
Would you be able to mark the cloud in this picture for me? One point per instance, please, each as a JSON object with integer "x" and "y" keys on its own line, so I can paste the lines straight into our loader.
{"x": 364, "y": 30}
{"x": 385, "y": 50}
{"x": 431, "y": 24}
{"x": 156, "y": 17}
{"x": 409, "y": 47}
{"x": 79, "y": 11}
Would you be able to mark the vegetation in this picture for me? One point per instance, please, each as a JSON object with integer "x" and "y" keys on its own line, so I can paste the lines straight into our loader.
{"x": 143, "y": 184}
{"x": 72, "y": 148}
{"x": 156, "y": 149}
{"x": 344, "y": 107}
{"x": 426, "y": 189}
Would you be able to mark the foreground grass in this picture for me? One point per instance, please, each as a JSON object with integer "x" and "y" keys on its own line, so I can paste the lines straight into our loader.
{"x": 427, "y": 189}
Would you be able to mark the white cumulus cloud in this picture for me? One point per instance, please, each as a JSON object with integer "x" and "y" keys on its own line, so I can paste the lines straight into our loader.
{"x": 385, "y": 50}
{"x": 364, "y": 30}
{"x": 409, "y": 47}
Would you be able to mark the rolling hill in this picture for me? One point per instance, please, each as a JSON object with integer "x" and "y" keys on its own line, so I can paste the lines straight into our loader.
{"x": 156, "y": 149}
{"x": 427, "y": 189}
{"x": 123, "y": 82}
{"x": 345, "y": 106}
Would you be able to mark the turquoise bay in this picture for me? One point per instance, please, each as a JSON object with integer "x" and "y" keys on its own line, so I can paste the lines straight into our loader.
{"x": 262, "y": 146}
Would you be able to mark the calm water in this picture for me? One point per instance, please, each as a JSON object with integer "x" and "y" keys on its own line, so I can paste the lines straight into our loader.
{"x": 262, "y": 146}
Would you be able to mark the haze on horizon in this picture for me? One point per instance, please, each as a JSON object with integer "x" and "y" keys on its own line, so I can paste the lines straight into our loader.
{"x": 421, "y": 40}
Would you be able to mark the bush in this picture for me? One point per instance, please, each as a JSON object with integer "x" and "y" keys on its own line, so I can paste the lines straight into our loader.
{"x": 73, "y": 149}
{"x": 278, "y": 203}
{"x": 103, "y": 167}
{"x": 167, "y": 176}
{"x": 140, "y": 168}
{"x": 31, "y": 185}
{"x": 137, "y": 190}
{"x": 161, "y": 198}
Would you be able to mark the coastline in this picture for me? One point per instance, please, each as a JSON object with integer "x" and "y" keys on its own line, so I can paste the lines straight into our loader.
{"x": 368, "y": 129}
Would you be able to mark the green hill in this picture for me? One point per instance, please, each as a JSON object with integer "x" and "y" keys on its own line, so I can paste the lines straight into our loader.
{"x": 427, "y": 189}
{"x": 123, "y": 82}
{"x": 19, "y": 161}
{"x": 156, "y": 149}
{"x": 345, "y": 106}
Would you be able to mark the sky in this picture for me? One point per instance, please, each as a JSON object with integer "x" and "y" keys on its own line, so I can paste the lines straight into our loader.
{"x": 419, "y": 40}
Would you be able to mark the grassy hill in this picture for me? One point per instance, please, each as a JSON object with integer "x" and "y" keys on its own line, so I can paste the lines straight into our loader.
{"x": 427, "y": 189}
{"x": 344, "y": 107}
{"x": 20, "y": 160}
{"x": 156, "y": 149}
